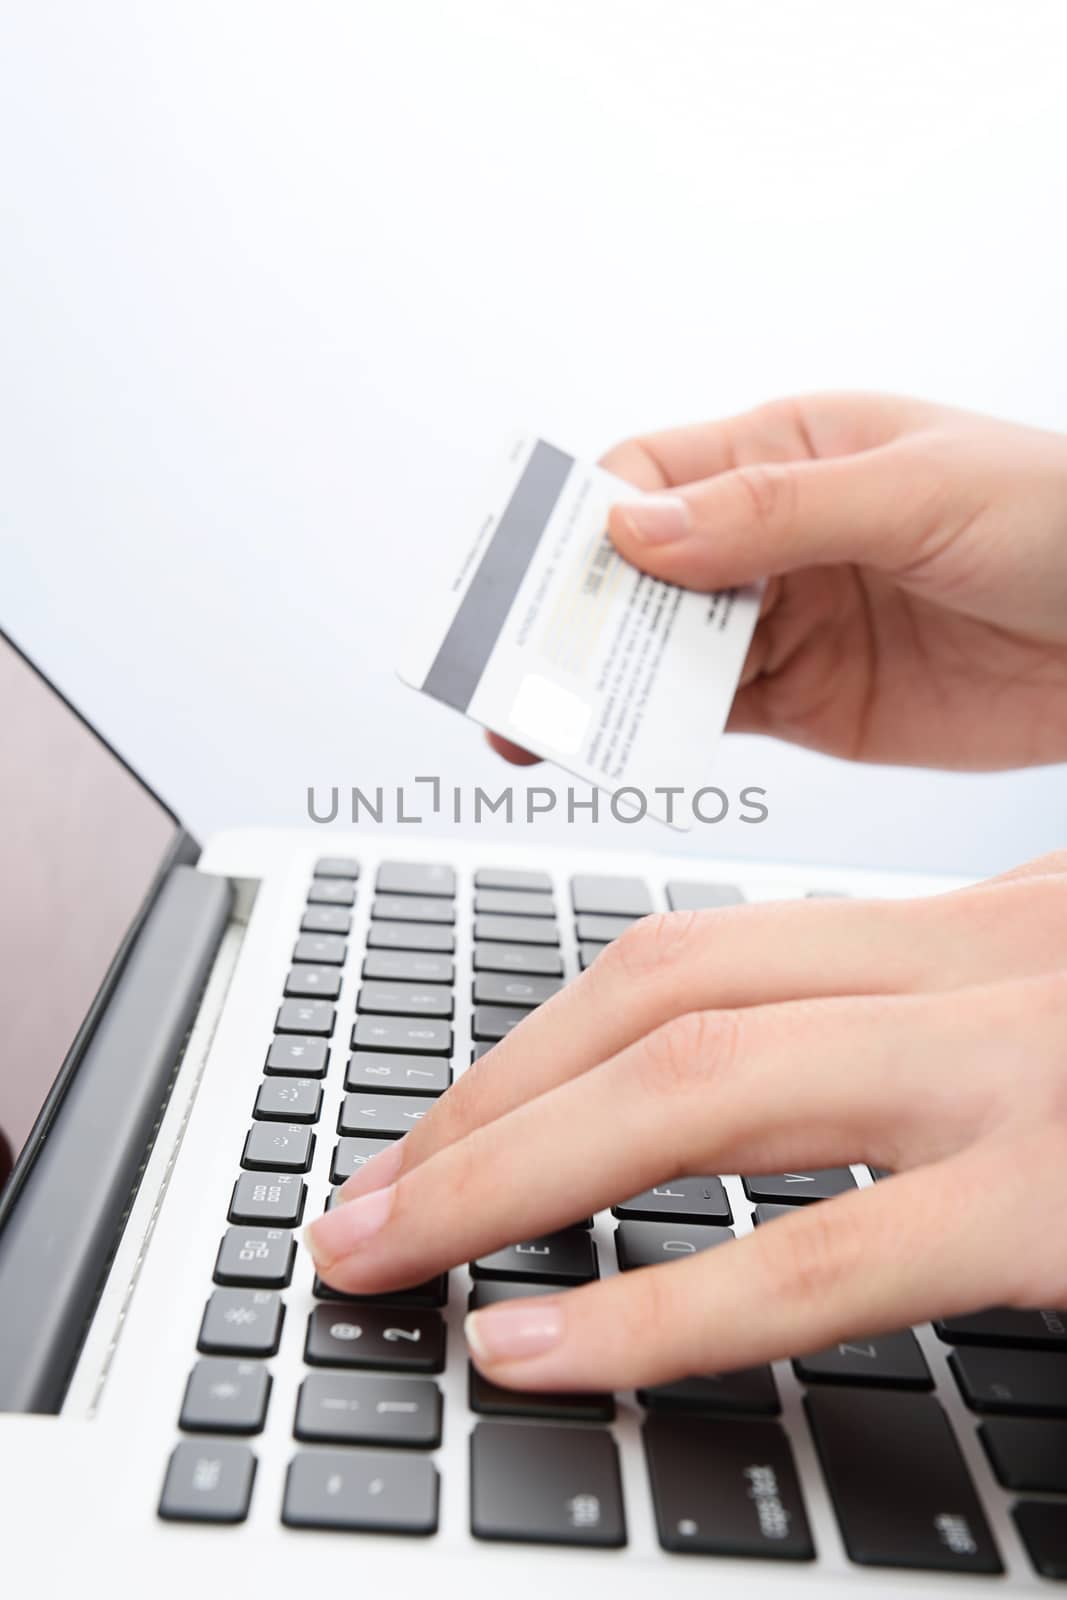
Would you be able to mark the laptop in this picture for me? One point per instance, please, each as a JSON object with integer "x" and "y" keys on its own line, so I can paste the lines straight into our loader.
{"x": 200, "y": 1044}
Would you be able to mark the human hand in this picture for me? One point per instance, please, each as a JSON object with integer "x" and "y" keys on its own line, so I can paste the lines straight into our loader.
{"x": 923, "y": 1036}
{"x": 916, "y": 609}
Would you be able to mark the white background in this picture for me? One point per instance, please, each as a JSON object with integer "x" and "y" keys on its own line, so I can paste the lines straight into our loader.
{"x": 276, "y": 279}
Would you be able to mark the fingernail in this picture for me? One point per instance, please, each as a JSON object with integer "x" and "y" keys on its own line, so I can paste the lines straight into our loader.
{"x": 374, "y": 1174}
{"x": 346, "y": 1227}
{"x": 514, "y": 1332}
{"x": 656, "y": 518}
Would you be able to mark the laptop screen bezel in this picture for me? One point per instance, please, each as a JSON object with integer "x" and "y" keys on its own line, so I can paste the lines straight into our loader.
{"x": 183, "y": 848}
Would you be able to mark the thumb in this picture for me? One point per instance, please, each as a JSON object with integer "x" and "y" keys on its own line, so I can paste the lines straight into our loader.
{"x": 759, "y": 521}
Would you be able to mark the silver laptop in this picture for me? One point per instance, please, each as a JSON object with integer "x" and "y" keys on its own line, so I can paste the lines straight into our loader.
{"x": 199, "y": 1045}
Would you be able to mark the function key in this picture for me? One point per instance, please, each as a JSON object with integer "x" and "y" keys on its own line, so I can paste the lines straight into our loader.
{"x": 647, "y": 1244}
{"x": 331, "y": 892}
{"x": 288, "y": 1100}
{"x": 409, "y": 966}
{"x": 601, "y": 930}
{"x": 514, "y": 903}
{"x": 380, "y": 1337}
{"x": 517, "y": 930}
{"x": 341, "y": 1408}
{"x": 1015, "y": 1382}
{"x": 425, "y": 1037}
{"x": 613, "y": 897}
{"x": 495, "y": 1022}
{"x": 350, "y": 1155}
{"x": 325, "y": 919}
{"x": 337, "y": 867}
{"x": 1027, "y": 1453}
{"x": 208, "y": 1482}
{"x": 517, "y": 958}
{"x": 891, "y": 1361}
{"x": 404, "y": 1000}
{"x": 566, "y": 1257}
{"x": 682, "y": 1200}
{"x": 411, "y": 908}
{"x": 546, "y": 1485}
{"x": 726, "y": 1488}
{"x": 799, "y": 1188}
{"x": 382, "y": 1116}
{"x": 490, "y": 1400}
{"x": 685, "y": 896}
{"x": 415, "y": 877}
{"x": 225, "y": 1397}
{"x": 321, "y": 949}
{"x": 241, "y": 1322}
{"x": 513, "y": 878}
{"x": 1026, "y": 1330}
{"x": 410, "y": 936}
{"x": 898, "y": 1482}
{"x": 298, "y": 1056}
{"x": 260, "y": 1257}
{"x": 397, "y": 1074}
{"x": 1043, "y": 1529}
{"x": 499, "y": 989}
{"x": 278, "y": 1146}
{"x": 361, "y": 1491}
{"x": 305, "y": 1016}
{"x": 269, "y": 1197}
{"x": 749, "y": 1389}
{"x": 305, "y": 981}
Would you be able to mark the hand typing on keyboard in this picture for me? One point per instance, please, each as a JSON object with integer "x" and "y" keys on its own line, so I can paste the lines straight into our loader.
{"x": 922, "y": 1037}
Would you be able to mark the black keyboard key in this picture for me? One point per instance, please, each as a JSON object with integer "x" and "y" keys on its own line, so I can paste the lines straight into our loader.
{"x": 416, "y": 878}
{"x": 769, "y": 1212}
{"x": 1026, "y": 1330}
{"x": 423, "y": 1037}
{"x": 491, "y": 1400}
{"x": 491, "y": 1292}
{"x": 298, "y": 1056}
{"x": 726, "y": 1488}
{"x": 386, "y": 1074}
{"x": 331, "y": 892}
{"x": 274, "y": 1198}
{"x": 288, "y": 1100}
{"x": 278, "y": 1147}
{"x": 493, "y": 1023}
{"x": 750, "y": 1390}
{"x": 412, "y": 908}
{"x": 502, "y": 989}
{"x": 321, "y": 949}
{"x": 225, "y": 1397}
{"x": 382, "y": 1116}
{"x": 208, "y": 1480}
{"x": 361, "y": 1491}
{"x": 516, "y": 930}
{"x": 315, "y": 1017}
{"x": 482, "y": 1049}
{"x": 419, "y": 936}
{"x": 1012, "y": 1382}
{"x": 408, "y": 966}
{"x": 260, "y": 1258}
{"x": 241, "y": 1322}
{"x": 588, "y": 952}
{"x": 432, "y": 1295}
{"x": 1042, "y": 1527}
{"x": 601, "y": 930}
{"x": 513, "y": 903}
{"x": 349, "y": 1155}
{"x": 648, "y": 1244}
{"x": 615, "y": 897}
{"x": 513, "y": 878}
{"x": 687, "y": 896}
{"x": 337, "y": 867}
{"x": 898, "y": 1482}
{"x": 343, "y": 1408}
{"x": 681, "y": 1200}
{"x": 799, "y": 1188}
{"x": 565, "y": 1258}
{"x": 546, "y": 1485}
{"x": 405, "y": 1000}
{"x": 518, "y": 958}
{"x": 325, "y": 919}
{"x": 379, "y": 1337}
{"x": 307, "y": 982}
{"x": 891, "y": 1361}
{"x": 1026, "y": 1453}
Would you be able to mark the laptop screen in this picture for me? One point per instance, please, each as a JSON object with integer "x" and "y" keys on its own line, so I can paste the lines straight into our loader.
{"x": 82, "y": 841}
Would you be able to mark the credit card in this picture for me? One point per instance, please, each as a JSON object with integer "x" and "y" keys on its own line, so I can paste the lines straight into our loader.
{"x": 543, "y": 633}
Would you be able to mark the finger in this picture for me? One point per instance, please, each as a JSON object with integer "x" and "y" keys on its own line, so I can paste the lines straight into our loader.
{"x": 813, "y": 1083}
{"x": 512, "y": 752}
{"x": 766, "y": 519}
{"x": 743, "y": 956}
{"x": 927, "y": 1243}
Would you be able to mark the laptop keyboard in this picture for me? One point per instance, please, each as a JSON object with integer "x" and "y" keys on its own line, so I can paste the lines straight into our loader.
{"x": 544, "y": 1468}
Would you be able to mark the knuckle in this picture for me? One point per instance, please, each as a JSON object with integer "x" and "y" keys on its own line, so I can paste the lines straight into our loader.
{"x": 685, "y": 1052}
{"x": 649, "y": 944}
{"x": 770, "y": 492}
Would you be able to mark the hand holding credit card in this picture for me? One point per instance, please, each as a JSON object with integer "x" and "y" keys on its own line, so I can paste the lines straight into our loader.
{"x": 548, "y": 637}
